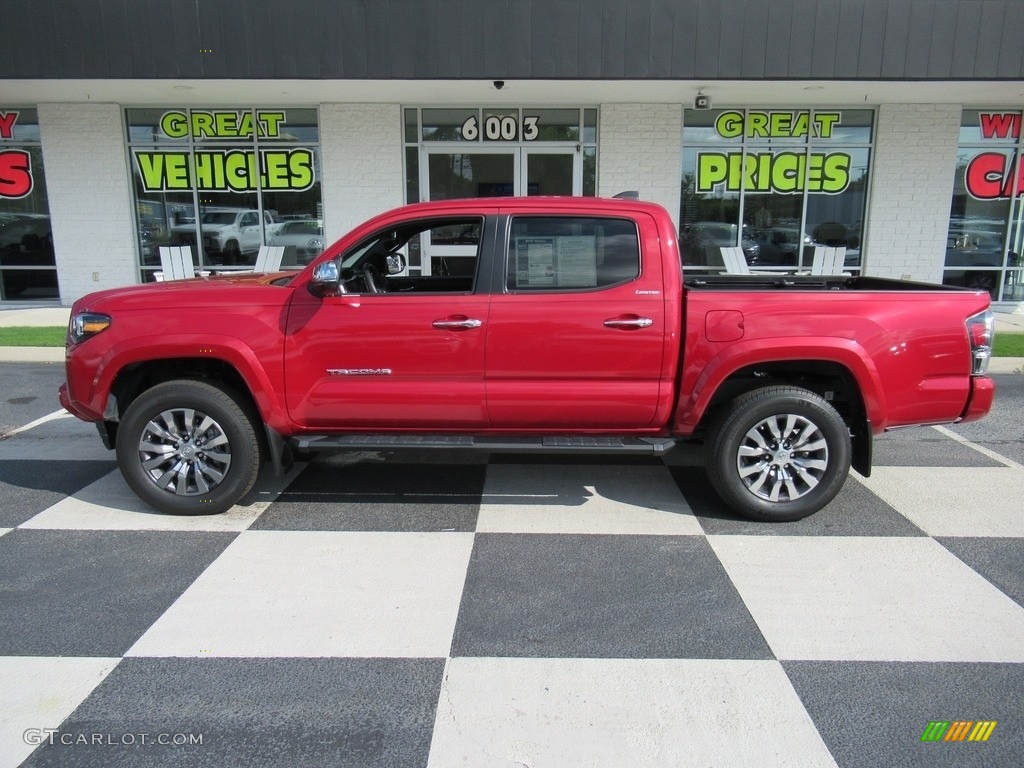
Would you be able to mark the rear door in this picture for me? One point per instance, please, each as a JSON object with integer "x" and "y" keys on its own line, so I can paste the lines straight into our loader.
{"x": 576, "y": 335}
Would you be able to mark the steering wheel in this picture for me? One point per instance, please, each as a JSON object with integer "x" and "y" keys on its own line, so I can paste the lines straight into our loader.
{"x": 375, "y": 282}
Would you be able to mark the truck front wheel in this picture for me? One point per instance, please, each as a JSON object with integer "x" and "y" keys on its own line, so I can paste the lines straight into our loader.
{"x": 778, "y": 453}
{"x": 188, "y": 448}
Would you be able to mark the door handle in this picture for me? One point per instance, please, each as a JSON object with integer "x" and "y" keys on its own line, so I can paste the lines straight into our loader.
{"x": 457, "y": 324}
{"x": 628, "y": 323}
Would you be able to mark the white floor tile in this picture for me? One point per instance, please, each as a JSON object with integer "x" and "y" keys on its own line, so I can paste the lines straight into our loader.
{"x": 37, "y": 694}
{"x": 109, "y": 504}
{"x": 303, "y": 594}
{"x": 595, "y": 712}
{"x": 976, "y": 501}
{"x": 886, "y": 599}
{"x": 584, "y": 499}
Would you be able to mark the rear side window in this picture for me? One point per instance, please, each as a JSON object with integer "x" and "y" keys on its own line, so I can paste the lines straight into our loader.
{"x": 567, "y": 253}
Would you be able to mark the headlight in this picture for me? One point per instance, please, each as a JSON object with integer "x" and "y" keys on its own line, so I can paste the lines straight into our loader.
{"x": 85, "y": 325}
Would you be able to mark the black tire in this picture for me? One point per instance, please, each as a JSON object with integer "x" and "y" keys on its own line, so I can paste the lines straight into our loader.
{"x": 777, "y": 454}
{"x": 188, "y": 448}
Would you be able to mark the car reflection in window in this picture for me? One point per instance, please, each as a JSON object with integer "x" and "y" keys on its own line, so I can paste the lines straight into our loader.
{"x": 302, "y": 238}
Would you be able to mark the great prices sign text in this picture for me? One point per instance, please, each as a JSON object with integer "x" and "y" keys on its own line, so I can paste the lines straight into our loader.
{"x": 15, "y": 164}
{"x": 774, "y": 171}
{"x": 225, "y": 170}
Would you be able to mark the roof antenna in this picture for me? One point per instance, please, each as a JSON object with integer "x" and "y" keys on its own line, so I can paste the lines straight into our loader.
{"x": 631, "y": 194}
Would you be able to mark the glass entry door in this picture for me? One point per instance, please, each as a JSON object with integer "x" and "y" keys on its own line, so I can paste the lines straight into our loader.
{"x": 550, "y": 171}
{"x": 448, "y": 173}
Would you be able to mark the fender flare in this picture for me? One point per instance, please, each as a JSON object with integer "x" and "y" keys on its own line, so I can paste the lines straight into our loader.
{"x": 750, "y": 352}
{"x": 215, "y": 347}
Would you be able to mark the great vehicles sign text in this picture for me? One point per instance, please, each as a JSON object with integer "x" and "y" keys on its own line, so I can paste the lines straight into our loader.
{"x": 225, "y": 170}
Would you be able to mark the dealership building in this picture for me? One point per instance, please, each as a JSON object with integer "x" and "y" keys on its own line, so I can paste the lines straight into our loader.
{"x": 891, "y": 128}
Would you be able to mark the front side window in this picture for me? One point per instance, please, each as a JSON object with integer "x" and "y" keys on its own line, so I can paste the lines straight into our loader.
{"x": 28, "y": 267}
{"x": 379, "y": 264}
{"x": 568, "y": 253}
{"x": 777, "y": 183}
{"x": 986, "y": 237}
{"x": 222, "y": 181}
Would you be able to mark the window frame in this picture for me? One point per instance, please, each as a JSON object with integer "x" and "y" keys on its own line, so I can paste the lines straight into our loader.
{"x": 503, "y": 275}
{"x": 430, "y": 222}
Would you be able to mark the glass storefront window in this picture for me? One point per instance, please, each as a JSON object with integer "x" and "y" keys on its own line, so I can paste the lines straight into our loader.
{"x": 495, "y": 151}
{"x": 777, "y": 183}
{"x": 28, "y": 268}
{"x": 985, "y": 239}
{"x": 447, "y": 124}
{"x": 253, "y": 176}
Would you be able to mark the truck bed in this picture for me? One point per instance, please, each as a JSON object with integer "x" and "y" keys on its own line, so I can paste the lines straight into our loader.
{"x": 784, "y": 281}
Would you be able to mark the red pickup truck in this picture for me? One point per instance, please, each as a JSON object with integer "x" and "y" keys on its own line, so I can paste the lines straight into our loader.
{"x": 547, "y": 325}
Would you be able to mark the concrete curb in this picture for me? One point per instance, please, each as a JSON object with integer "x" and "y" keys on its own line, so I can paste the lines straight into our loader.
{"x": 1006, "y": 365}
{"x": 41, "y": 316}
{"x": 31, "y": 354}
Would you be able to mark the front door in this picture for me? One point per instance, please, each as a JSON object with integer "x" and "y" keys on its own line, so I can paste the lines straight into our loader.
{"x": 550, "y": 171}
{"x": 407, "y": 355}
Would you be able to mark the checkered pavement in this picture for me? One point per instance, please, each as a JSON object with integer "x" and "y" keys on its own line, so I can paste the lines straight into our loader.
{"x": 471, "y": 610}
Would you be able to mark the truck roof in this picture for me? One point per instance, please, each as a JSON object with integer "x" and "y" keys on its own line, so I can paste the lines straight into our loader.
{"x": 539, "y": 204}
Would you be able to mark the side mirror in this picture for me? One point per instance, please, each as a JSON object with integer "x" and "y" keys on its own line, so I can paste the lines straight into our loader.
{"x": 326, "y": 279}
{"x": 396, "y": 263}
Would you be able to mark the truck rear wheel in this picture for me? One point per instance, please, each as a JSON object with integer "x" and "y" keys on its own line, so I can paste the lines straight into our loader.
{"x": 778, "y": 453}
{"x": 188, "y": 448}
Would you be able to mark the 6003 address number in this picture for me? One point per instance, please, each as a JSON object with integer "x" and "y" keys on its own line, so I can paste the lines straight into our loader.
{"x": 501, "y": 128}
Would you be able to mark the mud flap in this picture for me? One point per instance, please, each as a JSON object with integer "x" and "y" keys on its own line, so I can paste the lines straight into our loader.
{"x": 280, "y": 452}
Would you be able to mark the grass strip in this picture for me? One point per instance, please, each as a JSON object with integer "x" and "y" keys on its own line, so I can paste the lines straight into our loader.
{"x": 33, "y": 336}
{"x": 1008, "y": 345}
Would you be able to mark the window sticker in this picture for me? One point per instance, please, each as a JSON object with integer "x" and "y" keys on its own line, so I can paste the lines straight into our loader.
{"x": 556, "y": 262}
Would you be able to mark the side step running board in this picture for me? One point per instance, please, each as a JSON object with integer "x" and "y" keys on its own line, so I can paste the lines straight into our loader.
{"x": 567, "y": 444}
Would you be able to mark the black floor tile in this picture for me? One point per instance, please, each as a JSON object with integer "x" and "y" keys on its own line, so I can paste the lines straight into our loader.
{"x": 27, "y": 487}
{"x": 874, "y": 714}
{"x": 602, "y": 597}
{"x": 923, "y": 447}
{"x": 93, "y": 593}
{"x": 257, "y": 712}
{"x": 855, "y": 511}
{"x": 379, "y": 497}
{"x": 1001, "y": 561}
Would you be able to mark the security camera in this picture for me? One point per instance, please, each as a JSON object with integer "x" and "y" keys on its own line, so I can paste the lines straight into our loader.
{"x": 499, "y": 84}
{"x": 702, "y": 101}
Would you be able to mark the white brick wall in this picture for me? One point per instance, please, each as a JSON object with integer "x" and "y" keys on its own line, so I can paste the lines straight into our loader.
{"x": 87, "y": 185}
{"x": 911, "y": 190}
{"x": 361, "y": 157}
{"x": 641, "y": 148}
